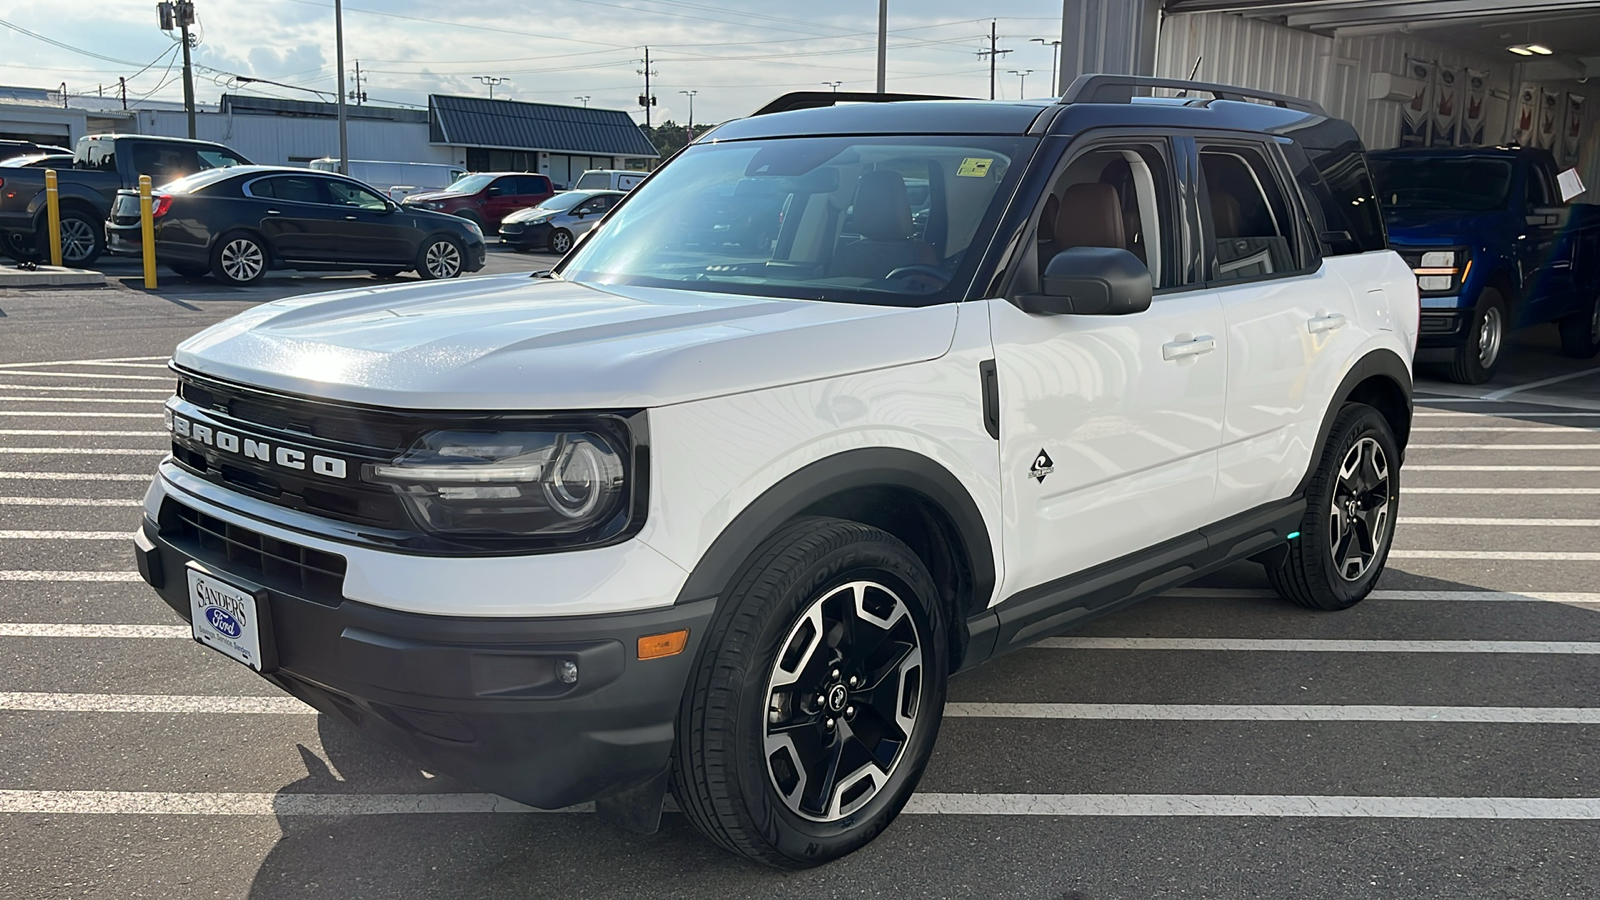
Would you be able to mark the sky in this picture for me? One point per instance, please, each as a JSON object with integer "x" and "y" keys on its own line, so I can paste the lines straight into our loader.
{"x": 737, "y": 54}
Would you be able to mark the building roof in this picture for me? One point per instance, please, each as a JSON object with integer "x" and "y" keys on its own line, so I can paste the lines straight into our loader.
{"x": 240, "y": 104}
{"x": 514, "y": 125}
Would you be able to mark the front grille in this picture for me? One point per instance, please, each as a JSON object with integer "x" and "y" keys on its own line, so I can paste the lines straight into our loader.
{"x": 312, "y": 574}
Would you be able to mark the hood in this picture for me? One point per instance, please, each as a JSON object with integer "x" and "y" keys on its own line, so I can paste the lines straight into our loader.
{"x": 516, "y": 342}
{"x": 435, "y": 195}
{"x": 1441, "y": 226}
{"x": 531, "y": 212}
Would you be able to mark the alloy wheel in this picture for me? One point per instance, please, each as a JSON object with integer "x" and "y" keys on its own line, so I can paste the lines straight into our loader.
{"x": 243, "y": 260}
{"x": 1490, "y": 335}
{"x": 843, "y": 700}
{"x": 560, "y": 242}
{"x": 443, "y": 260}
{"x": 77, "y": 240}
{"x": 1359, "y": 517}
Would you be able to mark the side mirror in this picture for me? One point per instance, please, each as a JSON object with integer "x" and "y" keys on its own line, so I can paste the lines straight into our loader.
{"x": 1091, "y": 281}
{"x": 494, "y": 191}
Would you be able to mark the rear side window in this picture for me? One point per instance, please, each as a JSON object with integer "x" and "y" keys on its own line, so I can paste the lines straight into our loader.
{"x": 593, "y": 180}
{"x": 290, "y": 188}
{"x": 1334, "y": 176}
{"x": 1249, "y": 229}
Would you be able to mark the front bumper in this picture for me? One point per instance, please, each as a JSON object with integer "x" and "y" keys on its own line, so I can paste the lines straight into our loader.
{"x": 523, "y": 235}
{"x": 476, "y": 698}
{"x": 1442, "y": 328}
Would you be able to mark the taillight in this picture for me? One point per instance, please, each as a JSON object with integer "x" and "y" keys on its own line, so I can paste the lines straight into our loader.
{"x": 162, "y": 203}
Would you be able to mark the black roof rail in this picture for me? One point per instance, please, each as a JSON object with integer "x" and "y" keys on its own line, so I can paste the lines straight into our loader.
{"x": 1121, "y": 89}
{"x": 820, "y": 99}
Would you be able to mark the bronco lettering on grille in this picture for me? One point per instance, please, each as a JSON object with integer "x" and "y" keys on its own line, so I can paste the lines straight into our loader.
{"x": 261, "y": 451}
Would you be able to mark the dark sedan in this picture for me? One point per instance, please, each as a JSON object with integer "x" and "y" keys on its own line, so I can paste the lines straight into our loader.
{"x": 236, "y": 223}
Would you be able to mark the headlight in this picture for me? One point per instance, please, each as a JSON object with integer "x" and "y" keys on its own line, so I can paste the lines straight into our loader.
{"x": 539, "y": 221}
{"x": 1439, "y": 259}
{"x": 433, "y": 204}
{"x": 556, "y": 485}
{"x": 1441, "y": 271}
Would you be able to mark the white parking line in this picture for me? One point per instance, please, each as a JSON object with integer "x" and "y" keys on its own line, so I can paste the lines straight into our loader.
{"x": 144, "y": 703}
{"x": 91, "y": 375}
{"x": 110, "y": 360}
{"x": 1411, "y": 468}
{"x": 77, "y": 387}
{"x": 79, "y": 451}
{"x": 1544, "y": 382}
{"x": 67, "y": 501}
{"x": 1508, "y": 555}
{"x": 93, "y": 630}
{"x": 14, "y": 535}
{"x": 54, "y": 414}
{"x": 171, "y": 803}
{"x": 1496, "y": 523}
{"x": 1197, "y": 712}
{"x": 1505, "y": 428}
{"x": 46, "y": 575}
{"x": 148, "y": 402}
{"x": 1439, "y": 414}
{"x": 58, "y": 432}
{"x": 1503, "y": 447}
{"x": 1200, "y": 593}
{"x": 1295, "y": 645}
{"x": 1498, "y": 490}
{"x": 75, "y": 476}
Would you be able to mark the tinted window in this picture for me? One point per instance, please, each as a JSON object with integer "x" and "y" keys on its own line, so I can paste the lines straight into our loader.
{"x": 1425, "y": 181}
{"x": 290, "y": 188}
{"x": 1118, "y": 197}
{"x": 592, "y": 180}
{"x": 1340, "y": 198}
{"x": 530, "y": 184}
{"x": 345, "y": 193}
{"x": 1249, "y": 231}
{"x": 195, "y": 183}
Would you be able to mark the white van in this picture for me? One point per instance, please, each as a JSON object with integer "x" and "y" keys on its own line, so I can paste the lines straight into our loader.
{"x": 609, "y": 180}
{"x": 397, "y": 179}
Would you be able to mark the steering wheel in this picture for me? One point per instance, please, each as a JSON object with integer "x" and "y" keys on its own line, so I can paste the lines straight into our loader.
{"x": 924, "y": 278}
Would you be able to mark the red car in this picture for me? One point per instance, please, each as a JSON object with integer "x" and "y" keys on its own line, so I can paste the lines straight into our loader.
{"x": 487, "y": 197}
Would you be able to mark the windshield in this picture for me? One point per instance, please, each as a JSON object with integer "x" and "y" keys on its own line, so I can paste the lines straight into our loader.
{"x": 565, "y": 201}
{"x": 1437, "y": 182}
{"x": 890, "y": 221}
{"x": 469, "y": 184}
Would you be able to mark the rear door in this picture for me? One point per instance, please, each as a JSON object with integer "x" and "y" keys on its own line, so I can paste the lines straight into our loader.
{"x": 1548, "y": 251}
{"x": 1292, "y": 323}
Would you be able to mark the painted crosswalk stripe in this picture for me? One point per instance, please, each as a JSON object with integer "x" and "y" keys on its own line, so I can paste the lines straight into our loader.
{"x": 1299, "y": 645}
{"x": 1507, "y": 555}
{"x": 67, "y": 501}
{"x": 1197, "y": 712}
{"x": 48, "y": 575}
{"x": 59, "y": 432}
{"x": 148, "y": 803}
{"x": 1499, "y": 523}
{"x": 75, "y": 476}
{"x": 24, "y": 535}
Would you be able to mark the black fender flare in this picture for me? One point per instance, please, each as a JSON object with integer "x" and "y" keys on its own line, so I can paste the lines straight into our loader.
{"x": 1381, "y": 363}
{"x": 867, "y": 467}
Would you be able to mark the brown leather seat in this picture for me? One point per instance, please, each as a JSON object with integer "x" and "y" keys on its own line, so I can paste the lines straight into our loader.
{"x": 1090, "y": 216}
{"x": 882, "y": 216}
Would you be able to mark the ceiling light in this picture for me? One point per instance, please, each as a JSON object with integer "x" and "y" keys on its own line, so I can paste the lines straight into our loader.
{"x": 1530, "y": 50}
{"x": 1540, "y": 49}
{"x": 1520, "y": 50}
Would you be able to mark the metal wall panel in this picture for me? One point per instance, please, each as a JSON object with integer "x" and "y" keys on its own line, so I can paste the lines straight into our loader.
{"x": 276, "y": 140}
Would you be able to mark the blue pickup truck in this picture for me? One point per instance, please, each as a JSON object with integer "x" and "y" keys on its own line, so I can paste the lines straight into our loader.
{"x": 1495, "y": 248}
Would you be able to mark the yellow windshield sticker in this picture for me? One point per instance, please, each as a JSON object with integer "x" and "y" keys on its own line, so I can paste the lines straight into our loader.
{"x": 973, "y": 167}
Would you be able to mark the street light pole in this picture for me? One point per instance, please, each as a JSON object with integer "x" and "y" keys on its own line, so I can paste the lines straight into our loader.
{"x": 883, "y": 45}
{"x": 338, "y": 41}
{"x": 1055, "y": 54}
{"x": 1022, "y": 82}
{"x": 491, "y": 81}
{"x": 690, "y": 95}
{"x": 834, "y": 85}
{"x": 585, "y": 99}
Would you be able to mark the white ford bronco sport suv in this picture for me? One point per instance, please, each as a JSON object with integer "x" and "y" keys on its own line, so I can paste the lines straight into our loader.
{"x": 841, "y": 401}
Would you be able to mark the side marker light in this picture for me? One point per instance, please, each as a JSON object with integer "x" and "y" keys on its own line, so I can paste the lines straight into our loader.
{"x": 656, "y": 646}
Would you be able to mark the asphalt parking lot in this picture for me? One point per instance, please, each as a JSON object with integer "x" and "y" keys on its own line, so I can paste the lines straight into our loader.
{"x": 1440, "y": 740}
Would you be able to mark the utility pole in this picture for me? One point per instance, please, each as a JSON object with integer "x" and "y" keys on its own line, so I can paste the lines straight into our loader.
{"x": 184, "y": 10}
{"x": 122, "y": 88}
{"x": 1055, "y": 53}
{"x": 883, "y": 45}
{"x": 359, "y": 95}
{"x": 491, "y": 81}
{"x": 994, "y": 53}
{"x": 338, "y": 41}
{"x": 647, "y": 99}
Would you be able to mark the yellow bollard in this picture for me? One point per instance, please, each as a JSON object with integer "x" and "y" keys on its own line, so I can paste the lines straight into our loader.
{"x": 147, "y": 233}
{"x": 52, "y": 202}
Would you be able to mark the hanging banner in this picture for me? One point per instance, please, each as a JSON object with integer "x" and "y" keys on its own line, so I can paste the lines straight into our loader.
{"x": 1416, "y": 117}
{"x": 1475, "y": 109}
{"x": 1527, "y": 115}
{"x": 1446, "y": 90}
{"x": 1572, "y": 133}
{"x": 1549, "y": 114}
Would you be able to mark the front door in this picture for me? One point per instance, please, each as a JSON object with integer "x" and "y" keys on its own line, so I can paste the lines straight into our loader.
{"x": 1109, "y": 425}
{"x": 369, "y": 230}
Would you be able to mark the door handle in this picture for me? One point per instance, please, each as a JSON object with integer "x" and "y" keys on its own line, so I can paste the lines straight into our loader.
{"x": 272, "y": 212}
{"x": 1329, "y": 322}
{"x": 349, "y": 218}
{"x": 1181, "y": 348}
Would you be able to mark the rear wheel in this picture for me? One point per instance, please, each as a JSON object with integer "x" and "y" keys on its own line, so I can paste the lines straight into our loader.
{"x": 1580, "y": 333}
{"x": 817, "y": 699}
{"x": 239, "y": 259}
{"x": 560, "y": 241}
{"x": 440, "y": 257}
{"x": 82, "y": 239}
{"x": 1476, "y": 360}
{"x": 1351, "y": 506}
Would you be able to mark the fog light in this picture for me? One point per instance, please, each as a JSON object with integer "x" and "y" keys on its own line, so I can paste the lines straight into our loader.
{"x": 1434, "y": 282}
{"x": 567, "y": 671}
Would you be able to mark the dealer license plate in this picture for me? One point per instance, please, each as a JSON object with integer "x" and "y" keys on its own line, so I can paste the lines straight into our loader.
{"x": 228, "y": 618}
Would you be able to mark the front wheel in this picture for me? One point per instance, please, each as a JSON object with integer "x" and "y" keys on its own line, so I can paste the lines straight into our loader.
{"x": 1580, "y": 332}
{"x": 440, "y": 257}
{"x": 1351, "y": 506}
{"x": 1476, "y": 360}
{"x": 560, "y": 241}
{"x": 818, "y": 697}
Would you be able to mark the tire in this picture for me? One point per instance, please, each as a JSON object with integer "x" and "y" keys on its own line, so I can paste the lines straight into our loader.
{"x": 1338, "y": 557}
{"x": 820, "y": 585}
{"x": 560, "y": 241}
{"x": 1580, "y": 333}
{"x": 440, "y": 257}
{"x": 82, "y": 238}
{"x": 1478, "y": 358}
{"x": 474, "y": 218}
{"x": 188, "y": 271}
{"x": 387, "y": 271}
{"x": 239, "y": 258}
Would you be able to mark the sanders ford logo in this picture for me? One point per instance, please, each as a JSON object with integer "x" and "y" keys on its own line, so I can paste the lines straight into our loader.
{"x": 224, "y": 612}
{"x": 262, "y": 451}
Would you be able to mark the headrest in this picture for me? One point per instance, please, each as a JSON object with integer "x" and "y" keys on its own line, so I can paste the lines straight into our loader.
{"x": 1226, "y": 215}
{"x": 1090, "y": 216}
{"x": 1047, "y": 222}
{"x": 882, "y": 209}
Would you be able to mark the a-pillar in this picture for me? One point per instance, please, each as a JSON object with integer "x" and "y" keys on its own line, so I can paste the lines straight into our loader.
{"x": 1116, "y": 37}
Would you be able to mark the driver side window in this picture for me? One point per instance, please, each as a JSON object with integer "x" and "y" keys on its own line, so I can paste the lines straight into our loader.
{"x": 1117, "y": 196}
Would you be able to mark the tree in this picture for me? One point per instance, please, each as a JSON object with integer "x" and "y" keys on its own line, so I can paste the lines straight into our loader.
{"x": 669, "y": 137}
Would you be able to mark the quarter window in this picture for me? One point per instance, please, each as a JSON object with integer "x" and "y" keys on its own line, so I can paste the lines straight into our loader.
{"x": 1249, "y": 232}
